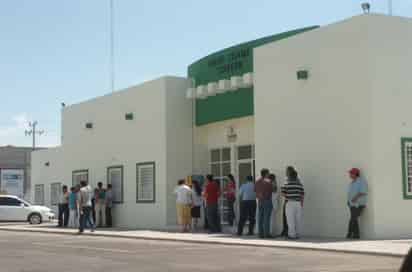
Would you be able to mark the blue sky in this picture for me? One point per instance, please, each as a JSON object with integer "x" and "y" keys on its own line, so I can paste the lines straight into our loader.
{"x": 58, "y": 51}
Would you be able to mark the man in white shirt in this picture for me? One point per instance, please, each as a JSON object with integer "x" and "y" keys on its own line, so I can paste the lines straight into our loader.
{"x": 183, "y": 205}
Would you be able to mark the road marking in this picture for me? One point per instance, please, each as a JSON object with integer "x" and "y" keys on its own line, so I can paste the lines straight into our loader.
{"x": 84, "y": 247}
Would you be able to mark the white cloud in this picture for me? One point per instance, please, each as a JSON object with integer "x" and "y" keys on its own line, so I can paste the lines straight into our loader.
{"x": 13, "y": 134}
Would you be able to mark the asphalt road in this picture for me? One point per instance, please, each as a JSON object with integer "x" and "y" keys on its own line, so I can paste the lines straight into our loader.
{"x": 33, "y": 252}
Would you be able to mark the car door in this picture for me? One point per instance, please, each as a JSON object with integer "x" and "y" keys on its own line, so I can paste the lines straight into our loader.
{"x": 13, "y": 209}
{"x": 4, "y": 211}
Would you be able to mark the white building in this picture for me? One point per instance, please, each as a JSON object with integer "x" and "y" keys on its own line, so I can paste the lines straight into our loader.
{"x": 323, "y": 99}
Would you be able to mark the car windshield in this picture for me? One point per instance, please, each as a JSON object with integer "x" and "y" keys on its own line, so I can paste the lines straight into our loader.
{"x": 26, "y": 202}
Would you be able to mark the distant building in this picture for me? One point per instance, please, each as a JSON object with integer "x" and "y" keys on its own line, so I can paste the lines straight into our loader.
{"x": 15, "y": 170}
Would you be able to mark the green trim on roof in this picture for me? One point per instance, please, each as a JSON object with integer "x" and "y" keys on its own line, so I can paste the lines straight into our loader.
{"x": 232, "y": 61}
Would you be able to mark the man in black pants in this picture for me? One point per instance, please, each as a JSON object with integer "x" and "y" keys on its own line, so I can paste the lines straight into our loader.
{"x": 64, "y": 208}
{"x": 285, "y": 229}
{"x": 247, "y": 206}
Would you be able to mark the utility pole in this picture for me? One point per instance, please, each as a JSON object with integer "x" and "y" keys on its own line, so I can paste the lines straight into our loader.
{"x": 33, "y": 132}
{"x": 390, "y": 7}
{"x": 112, "y": 72}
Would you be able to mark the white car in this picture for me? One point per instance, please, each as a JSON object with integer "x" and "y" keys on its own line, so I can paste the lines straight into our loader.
{"x": 13, "y": 208}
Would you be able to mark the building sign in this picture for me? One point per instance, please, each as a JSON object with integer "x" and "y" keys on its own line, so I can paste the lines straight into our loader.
{"x": 12, "y": 181}
{"x": 231, "y": 62}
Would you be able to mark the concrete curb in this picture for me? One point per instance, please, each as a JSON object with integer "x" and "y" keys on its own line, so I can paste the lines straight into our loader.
{"x": 213, "y": 242}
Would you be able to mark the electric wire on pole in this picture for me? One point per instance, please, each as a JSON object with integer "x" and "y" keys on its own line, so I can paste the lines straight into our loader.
{"x": 33, "y": 131}
{"x": 112, "y": 45}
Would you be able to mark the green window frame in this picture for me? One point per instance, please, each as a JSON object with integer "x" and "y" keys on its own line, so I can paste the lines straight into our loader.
{"x": 77, "y": 173}
{"x": 116, "y": 168}
{"x": 146, "y": 173}
{"x": 55, "y": 191}
{"x": 406, "y": 151}
{"x": 39, "y": 194}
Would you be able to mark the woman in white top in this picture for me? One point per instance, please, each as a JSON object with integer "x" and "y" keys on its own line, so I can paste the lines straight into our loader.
{"x": 183, "y": 205}
{"x": 196, "y": 203}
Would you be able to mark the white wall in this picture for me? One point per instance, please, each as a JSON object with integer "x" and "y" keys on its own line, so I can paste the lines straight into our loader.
{"x": 116, "y": 141}
{"x": 391, "y": 57}
{"x": 178, "y": 140}
{"x": 46, "y": 175}
{"x": 213, "y": 136}
{"x": 322, "y": 125}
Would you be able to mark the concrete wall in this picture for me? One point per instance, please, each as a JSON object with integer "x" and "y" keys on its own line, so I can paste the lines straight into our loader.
{"x": 116, "y": 141}
{"x": 390, "y": 54}
{"x": 178, "y": 140}
{"x": 56, "y": 171}
{"x": 321, "y": 125}
{"x": 213, "y": 136}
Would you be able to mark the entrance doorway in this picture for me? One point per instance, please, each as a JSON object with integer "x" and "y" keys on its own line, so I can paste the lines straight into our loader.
{"x": 236, "y": 160}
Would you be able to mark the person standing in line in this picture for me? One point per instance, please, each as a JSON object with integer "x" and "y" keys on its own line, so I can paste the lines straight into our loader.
{"x": 63, "y": 207}
{"x": 264, "y": 189}
{"x": 294, "y": 193}
{"x": 197, "y": 203}
{"x": 275, "y": 200}
{"x": 91, "y": 220}
{"x": 206, "y": 223}
{"x": 183, "y": 205}
{"x": 211, "y": 196}
{"x": 230, "y": 195}
{"x": 109, "y": 206}
{"x": 247, "y": 198}
{"x": 85, "y": 206}
{"x": 100, "y": 205}
{"x": 73, "y": 208}
{"x": 93, "y": 197}
{"x": 357, "y": 198}
{"x": 284, "y": 220}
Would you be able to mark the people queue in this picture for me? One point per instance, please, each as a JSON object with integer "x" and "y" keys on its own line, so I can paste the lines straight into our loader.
{"x": 84, "y": 207}
{"x": 259, "y": 196}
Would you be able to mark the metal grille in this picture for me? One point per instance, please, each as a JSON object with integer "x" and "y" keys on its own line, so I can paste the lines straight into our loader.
{"x": 145, "y": 182}
{"x": 39, "y": 194}
{"x": 408, "y": 161}
{"x": 55, "y": 193}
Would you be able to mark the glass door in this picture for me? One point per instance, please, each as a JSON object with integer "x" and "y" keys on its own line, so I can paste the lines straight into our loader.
{"x": 220, "y": 165}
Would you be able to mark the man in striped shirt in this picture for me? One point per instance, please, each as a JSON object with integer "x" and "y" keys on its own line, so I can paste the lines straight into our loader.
{"x": 294, "y": 193}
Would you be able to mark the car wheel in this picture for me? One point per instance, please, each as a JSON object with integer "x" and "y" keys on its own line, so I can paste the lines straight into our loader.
{"x": 35, "y": 219}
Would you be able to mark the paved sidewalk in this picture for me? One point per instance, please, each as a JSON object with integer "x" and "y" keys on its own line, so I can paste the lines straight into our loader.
{"x": 397, "y": 248}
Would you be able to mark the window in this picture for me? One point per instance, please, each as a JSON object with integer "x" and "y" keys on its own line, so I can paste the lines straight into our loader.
{"x": 55, "y": 191}
{"x": 115, "y": 178}
{"x": 220, "y": 162}
{"x": 80, "y": 175}
{"x": 145, "y": 181}
{"x": 406, "y": 144}
{"x": 39, "y": 194}
{"x": 9, "y": 201}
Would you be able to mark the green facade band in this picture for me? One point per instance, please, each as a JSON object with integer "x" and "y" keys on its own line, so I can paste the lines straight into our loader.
{"x": 232, "y": 61}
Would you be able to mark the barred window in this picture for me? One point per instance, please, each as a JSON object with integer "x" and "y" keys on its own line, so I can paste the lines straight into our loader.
{"x": 55, "y": 191}
{"x": 39, "y": 194}
{"x": 406, "y": 144}
{"x": 115, "y": 178}
{"x": 145, "y": 182}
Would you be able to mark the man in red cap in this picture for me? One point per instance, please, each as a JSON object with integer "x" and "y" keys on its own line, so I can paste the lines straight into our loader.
{"x": 357, "y": 197}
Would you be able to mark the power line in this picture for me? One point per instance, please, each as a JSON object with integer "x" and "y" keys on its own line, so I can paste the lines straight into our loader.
{"x": 33, "y": 132}
{"x": 112, "y": 45}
